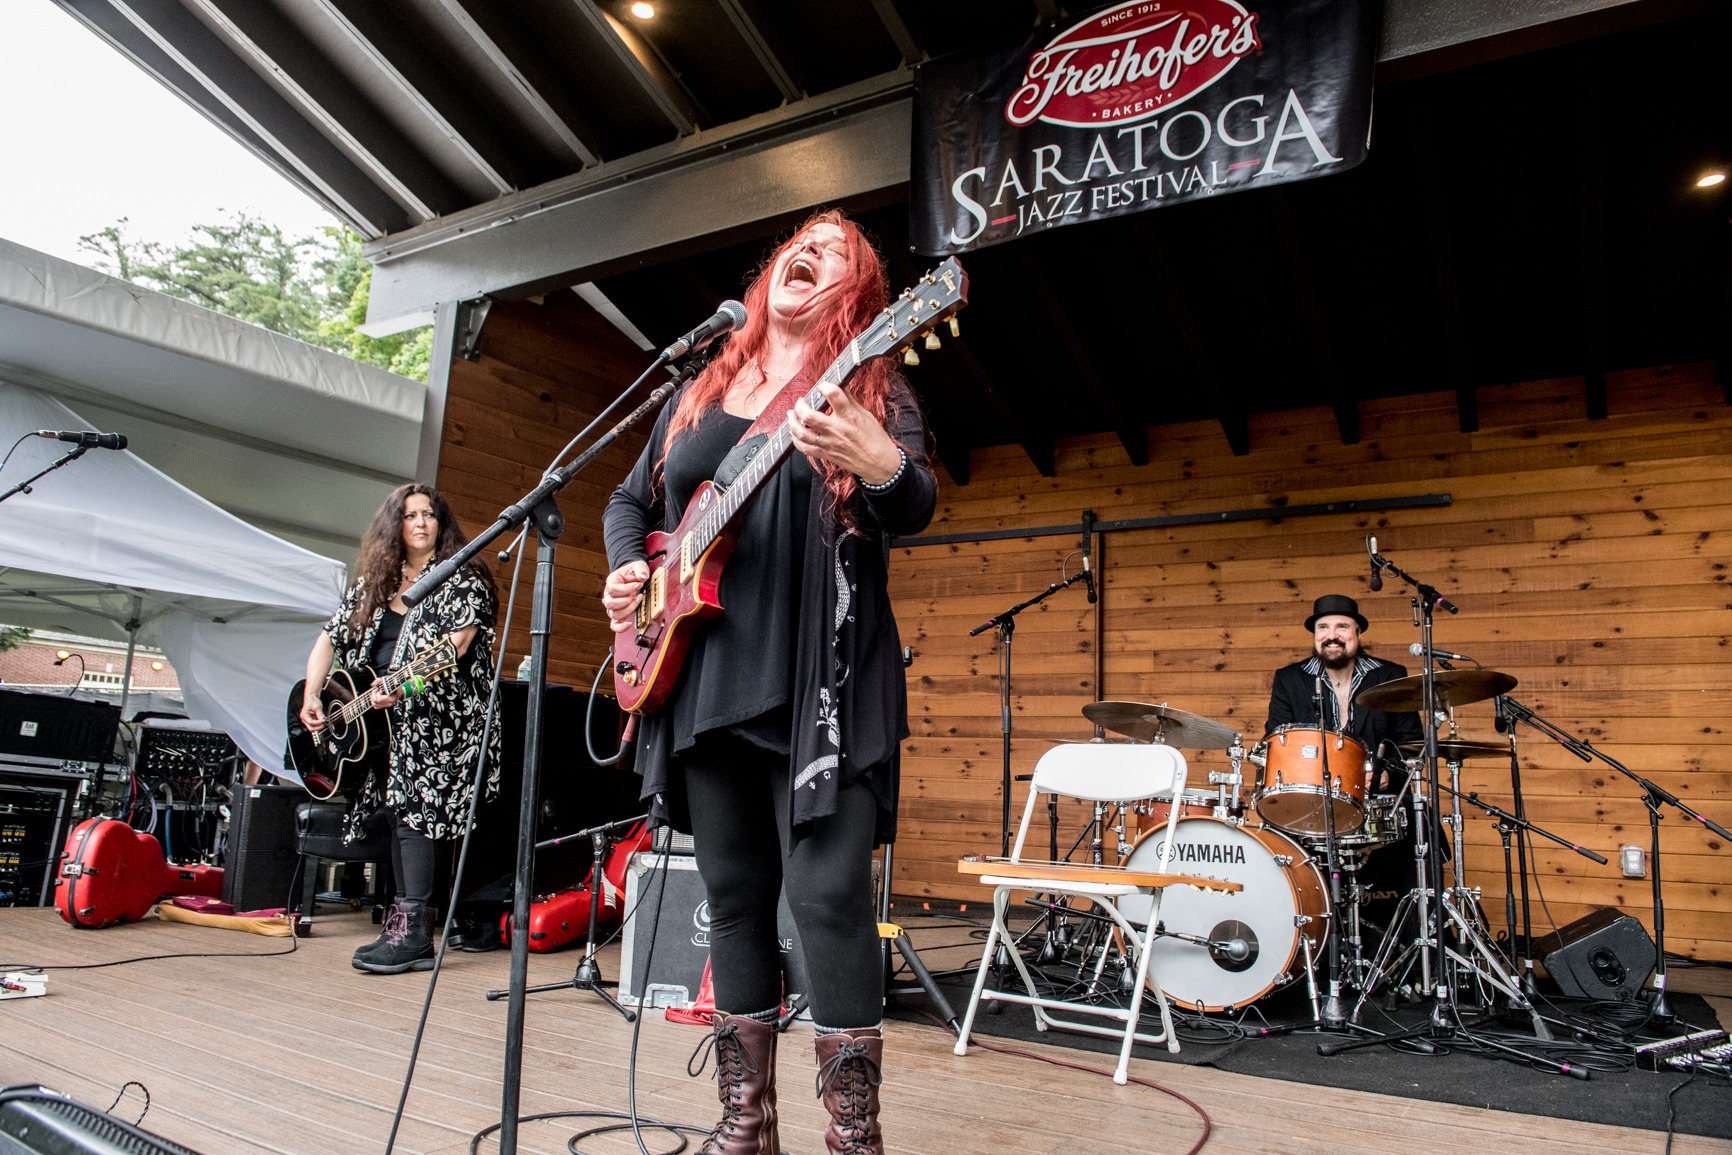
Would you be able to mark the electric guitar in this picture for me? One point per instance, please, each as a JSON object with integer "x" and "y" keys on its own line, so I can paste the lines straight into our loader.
{"x": 335, "y": 759}
{"x": 686, "y": 565}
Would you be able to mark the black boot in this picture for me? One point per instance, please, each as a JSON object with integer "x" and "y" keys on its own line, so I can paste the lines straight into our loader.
{"x": 407, "y": 944}
{"x": 362, "y": 954}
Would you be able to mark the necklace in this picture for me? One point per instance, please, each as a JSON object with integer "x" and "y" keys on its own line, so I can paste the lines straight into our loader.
{"x": 767, "y": 373}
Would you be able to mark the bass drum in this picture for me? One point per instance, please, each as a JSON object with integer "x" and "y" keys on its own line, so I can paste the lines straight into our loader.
{"x": 1282, "y": 884}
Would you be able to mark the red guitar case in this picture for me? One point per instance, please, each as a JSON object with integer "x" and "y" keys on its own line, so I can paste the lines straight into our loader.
{"x": 557, "y": 919}
{"x": 112, "y": 873}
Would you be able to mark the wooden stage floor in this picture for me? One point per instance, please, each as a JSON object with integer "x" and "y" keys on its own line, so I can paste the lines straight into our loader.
{"x": 302, "y": 1055}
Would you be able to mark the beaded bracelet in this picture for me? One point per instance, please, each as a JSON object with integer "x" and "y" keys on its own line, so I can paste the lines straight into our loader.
{"x": 894, "y": 477}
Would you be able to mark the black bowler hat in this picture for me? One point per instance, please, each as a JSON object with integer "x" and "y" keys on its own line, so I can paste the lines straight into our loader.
{"x": 1336, "y": 604}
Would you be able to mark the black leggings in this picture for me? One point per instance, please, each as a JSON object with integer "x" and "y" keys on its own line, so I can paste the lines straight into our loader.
{"x": 738, "y": 795}
{"x": 413, "y": 860}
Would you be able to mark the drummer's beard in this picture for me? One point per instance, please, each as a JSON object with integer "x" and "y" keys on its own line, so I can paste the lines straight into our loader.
{"x": 1339, "y": 657}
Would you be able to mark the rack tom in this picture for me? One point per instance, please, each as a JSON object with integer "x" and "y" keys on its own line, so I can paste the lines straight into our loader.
{"x": 1290, "y": 787}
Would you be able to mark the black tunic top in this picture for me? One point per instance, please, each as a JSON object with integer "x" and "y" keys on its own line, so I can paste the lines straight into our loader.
{"x": 1292, "y": 701}
{"x": 805, "y": 659}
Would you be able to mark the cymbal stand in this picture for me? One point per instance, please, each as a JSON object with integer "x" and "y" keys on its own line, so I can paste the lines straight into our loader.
{"x": 1653, "y": 797}
{"x": 1333, "y": 1015}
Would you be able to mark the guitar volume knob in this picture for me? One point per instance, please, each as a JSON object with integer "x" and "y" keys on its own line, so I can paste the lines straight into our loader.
{"x": 622, "y": 668}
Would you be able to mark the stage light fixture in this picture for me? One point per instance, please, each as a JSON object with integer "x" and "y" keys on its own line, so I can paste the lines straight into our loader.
{"x": 642, "y": 11}
{"x": 1709, "y": 180}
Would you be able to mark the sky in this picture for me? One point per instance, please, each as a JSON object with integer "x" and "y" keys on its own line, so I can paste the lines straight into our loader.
{"x": 88, "y": 137}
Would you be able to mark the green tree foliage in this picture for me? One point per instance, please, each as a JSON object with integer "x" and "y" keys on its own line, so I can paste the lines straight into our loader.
{"x": 11, "y": 637}
{"x": 311, "y": 288}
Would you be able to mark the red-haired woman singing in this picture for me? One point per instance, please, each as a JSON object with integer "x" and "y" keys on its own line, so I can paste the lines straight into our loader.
{"x": 779, "y": 749}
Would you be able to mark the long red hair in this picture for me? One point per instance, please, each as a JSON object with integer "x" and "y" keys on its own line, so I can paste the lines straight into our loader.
{"x": 844, "y": 309}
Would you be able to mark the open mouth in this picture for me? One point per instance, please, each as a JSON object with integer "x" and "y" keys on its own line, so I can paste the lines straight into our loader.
{"x": 799, "y": 269}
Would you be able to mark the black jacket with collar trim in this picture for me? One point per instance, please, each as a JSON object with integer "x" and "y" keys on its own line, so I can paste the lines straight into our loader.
{"x": 1292, "y": 702}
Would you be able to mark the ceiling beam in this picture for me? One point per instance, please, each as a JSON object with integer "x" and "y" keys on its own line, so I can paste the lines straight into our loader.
{"x": 660, "y": 203}
{"x": 1133, "y": 435}
{"x": 1039, "y": 449}
{"x": 1233, "y": 420}
{"x": 207, "y": 74}
{"x": 1323, "y": 353}
{"x": 1461, "y": 377}
{"x": 767, "y": 58}
{"x": 395, "y": 54}
{"x": 276, "y": 47}
{"x": 617, "y": 39}
{"x": 898, "y": 29}
{"x": 497, "y": 56}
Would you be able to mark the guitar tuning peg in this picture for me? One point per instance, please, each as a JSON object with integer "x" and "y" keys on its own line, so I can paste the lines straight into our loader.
{"x": 955, "y": 329}
{"x": 932, "y": 338}
{"x": 910, "y": 357}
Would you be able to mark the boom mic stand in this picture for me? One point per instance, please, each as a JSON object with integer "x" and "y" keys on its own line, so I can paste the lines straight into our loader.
{"x": 588, "y": 976}
{"x": 540, "y": 509}
{"x": 24, "y": 486}
{"x": 1653, "y": 797}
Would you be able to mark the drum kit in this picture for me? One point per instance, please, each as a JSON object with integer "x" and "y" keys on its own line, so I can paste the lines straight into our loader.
{"x": 1265, "y": 822}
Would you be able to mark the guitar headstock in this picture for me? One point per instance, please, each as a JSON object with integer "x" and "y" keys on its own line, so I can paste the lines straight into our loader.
{"x": 434, "y": 662}
{"x": 918, "y": 312}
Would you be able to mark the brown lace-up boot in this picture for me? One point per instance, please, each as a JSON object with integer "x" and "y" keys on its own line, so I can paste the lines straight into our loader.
{"x": 848, "y": 1077}
{"x": 745, "y": 1051}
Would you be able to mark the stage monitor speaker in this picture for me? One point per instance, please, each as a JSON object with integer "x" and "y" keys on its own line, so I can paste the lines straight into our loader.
{"x": 1603, "y": 955}
{"x": 58, "y": 727}
{"x": 259, "y": 865}
{"x": 37, "y": 1121}
{"x": 680, "y": 922}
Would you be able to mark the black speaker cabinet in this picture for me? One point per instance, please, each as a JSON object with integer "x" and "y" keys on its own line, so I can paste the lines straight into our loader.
{"x": 260, "y": 862}
{"x": 1604, "y": 955}
{"x": 37, "y": 1121}
{"x": 55, "y": 726}
{"x": 680, "y": 921}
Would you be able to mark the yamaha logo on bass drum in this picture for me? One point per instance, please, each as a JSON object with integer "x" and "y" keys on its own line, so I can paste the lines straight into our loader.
{"x": 1200, "y": 852}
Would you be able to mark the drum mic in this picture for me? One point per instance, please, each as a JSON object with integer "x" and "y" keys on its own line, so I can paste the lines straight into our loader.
{"x": 1497, "y": 719}
{"x": 1418, "y": 650}
{"x": 1376, "y": 570}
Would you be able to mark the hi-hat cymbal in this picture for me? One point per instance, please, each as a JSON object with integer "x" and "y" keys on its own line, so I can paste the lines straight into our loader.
{"x": 1454, "y": 688}
{"x": 1460, "y": 749}
{"x": 1163, "y": 723}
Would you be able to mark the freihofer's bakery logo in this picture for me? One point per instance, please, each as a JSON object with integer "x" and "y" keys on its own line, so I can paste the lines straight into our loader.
{"x": 1132, "y": 62}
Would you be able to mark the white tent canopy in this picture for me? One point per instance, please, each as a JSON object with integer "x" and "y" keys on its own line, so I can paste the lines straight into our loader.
{"x": 108, "y": 539}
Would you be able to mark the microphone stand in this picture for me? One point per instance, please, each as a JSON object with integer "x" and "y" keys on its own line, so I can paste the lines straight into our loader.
{"x": 1653, "y": 797}
{"x": 1332, "y": 1016}
{"x": 1005, "y": 624}
{"x": 588, "y": 976}
{"x": 24, "y": 486}
{"x": 540, "y": 509}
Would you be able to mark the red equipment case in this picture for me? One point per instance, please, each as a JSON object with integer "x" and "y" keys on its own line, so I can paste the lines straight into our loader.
{"x": 557, "y": 919}
{"x": 111, "y": 873}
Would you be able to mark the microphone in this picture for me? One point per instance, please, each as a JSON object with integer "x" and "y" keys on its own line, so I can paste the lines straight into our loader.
{"x": 1418, "y": 651}
{"x": 1088, "y": 577}
{"x": 730, "y": 315}
{"x": 1376, "y": 570}
{"x": 88, "y": 440}
{"x": 1498, "y": 720}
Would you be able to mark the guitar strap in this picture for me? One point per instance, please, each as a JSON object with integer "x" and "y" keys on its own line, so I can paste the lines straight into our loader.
{"x": 758, "y": 433}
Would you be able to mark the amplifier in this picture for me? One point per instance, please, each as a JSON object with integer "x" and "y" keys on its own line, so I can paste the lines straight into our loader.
{"x": 680, "y": 921}
{"x": 54, "y": 726}
{"x": 182, "y": 754}
{"x": 259, "y": 864}
{"x": 34, "y": 817}
{"x": 1603, "y": 955}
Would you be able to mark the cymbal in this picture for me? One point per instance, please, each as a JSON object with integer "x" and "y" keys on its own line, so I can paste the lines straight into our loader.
{"x": 1163, "y": 723}
{"x": 1460, "y": 749}
{"x": 1454, "y": 688}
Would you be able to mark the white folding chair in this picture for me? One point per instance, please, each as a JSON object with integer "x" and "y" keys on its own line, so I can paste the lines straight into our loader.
{"x": 1099, "y": 773}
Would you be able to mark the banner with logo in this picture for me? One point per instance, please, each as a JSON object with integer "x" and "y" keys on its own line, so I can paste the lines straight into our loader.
{"x": 1136, "y": 106}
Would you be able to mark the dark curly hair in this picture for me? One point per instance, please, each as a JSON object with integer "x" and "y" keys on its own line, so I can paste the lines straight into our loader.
{"x": 383, "y": 555}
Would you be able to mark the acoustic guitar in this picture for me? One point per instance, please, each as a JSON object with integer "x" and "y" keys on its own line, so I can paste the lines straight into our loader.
{"x": 686, "y": 565}
{"x": 335, "y": 759}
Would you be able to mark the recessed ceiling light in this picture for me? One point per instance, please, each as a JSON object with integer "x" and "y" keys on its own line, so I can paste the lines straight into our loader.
{"x": 1711, "y": 179}
{"x": 642, "y": 11}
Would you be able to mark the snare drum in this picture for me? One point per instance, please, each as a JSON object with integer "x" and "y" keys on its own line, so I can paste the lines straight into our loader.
{"x": 1385, "y": 822}
{"x": 1290, "y": 785}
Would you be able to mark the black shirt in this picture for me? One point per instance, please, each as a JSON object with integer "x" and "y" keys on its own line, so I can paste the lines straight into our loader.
{"x": 385, "y": 641}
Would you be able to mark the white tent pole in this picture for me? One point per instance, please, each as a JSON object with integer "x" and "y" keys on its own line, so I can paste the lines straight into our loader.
{"x": 131, "y": 647}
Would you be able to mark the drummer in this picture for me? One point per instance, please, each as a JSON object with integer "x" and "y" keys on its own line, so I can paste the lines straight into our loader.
{"x": 1336, "y": 627}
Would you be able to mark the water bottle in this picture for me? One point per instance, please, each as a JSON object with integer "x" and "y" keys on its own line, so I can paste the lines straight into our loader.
{"x": 523, "y": 669}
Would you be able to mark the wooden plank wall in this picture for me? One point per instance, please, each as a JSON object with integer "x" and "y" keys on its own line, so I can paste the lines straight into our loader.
{"x": 545, "y": 370}
{"x": 1589, "y": 559}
